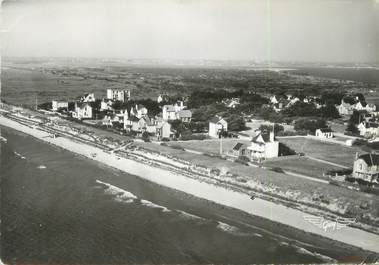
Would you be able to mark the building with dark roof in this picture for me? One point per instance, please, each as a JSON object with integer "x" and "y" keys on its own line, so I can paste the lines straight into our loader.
{"x": 366, "y": 167}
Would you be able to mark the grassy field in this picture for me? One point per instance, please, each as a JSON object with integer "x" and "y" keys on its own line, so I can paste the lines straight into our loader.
{"x": 209, "y": 146}
{"x": 302, "y": 165}
{"x": 327, "y": 151}
{"x": 268, "y": 178}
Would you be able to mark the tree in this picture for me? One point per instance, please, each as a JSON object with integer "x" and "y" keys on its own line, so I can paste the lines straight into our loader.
{"x": 329, "y": 111}
{"x": 268, "y": 128}
{"x": 356, "y": 117}
{"x": 352, "y": 128}
{"x": 309, "y": 125}
{"x": 235, "y": 123}
{"x": 301, "y": 109}
{"x": 332, "y": 98}
{"x": 146, "y": 136}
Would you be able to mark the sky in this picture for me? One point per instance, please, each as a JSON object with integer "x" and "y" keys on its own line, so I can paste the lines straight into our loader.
{"x": 261, "y": 30}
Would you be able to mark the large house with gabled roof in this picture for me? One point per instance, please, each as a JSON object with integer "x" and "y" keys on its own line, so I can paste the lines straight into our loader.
{"x": 366, "y": 167}
{"x": 263, "y": 146}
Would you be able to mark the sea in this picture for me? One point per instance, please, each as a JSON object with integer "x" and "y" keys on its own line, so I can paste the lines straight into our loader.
{"x": 58, "y": 207}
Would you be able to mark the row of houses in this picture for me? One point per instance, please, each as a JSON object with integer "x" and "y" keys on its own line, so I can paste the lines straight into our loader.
{"x": 347, "y": 109}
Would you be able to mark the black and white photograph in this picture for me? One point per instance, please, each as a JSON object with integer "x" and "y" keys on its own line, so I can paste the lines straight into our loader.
{"x": 189, "y": 132}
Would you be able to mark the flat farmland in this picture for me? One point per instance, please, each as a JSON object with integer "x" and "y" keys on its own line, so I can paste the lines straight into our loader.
{"x": 322, "y": 150}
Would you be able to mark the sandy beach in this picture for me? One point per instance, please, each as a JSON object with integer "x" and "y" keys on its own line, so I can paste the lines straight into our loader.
{"x": 217, "y": 194}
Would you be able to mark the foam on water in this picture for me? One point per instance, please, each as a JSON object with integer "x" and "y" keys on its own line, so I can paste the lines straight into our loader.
{"x": 315, "y": 254}
{"x": 121, "y": 195}
{"x": 153, "y": 205}
{"x": 128, "y": 197}
{"x": 190, "y": 216}
{"x": 227, "y": 228}
{"x": 41, "y": 167}
{"x": 19, "y": 155}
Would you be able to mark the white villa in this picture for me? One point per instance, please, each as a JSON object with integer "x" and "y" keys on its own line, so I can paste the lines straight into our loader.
{"x": 138, "y": 110}
{"x": 324, "y": 133}
{"x": 89, "y": 97}
{"x": 216, "y": 125}
{"x": 118, "y": 94}
{"x": 368, "y": 129}
{"x": 83, "y": 110}
{"x": 175, "y": 112}
{"x": 273, "y": 100}
{"x": 364, "y": 106}
{"x": 163, "y": 130}
{"x": 106, "y": 104}
{"x": 263, "y": 147}
{"x": 56, "y": 105}
{"x": 366, "y": 167}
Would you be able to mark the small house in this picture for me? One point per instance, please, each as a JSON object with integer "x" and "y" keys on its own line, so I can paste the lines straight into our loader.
{"x": 368, "y": 129}
{"x": 106, "y": 104}
{"x": 366, "y": 167}
{"x": 324, "y": 133}
{"x": 118, "y": 94}
{"x": 216, "y": 126}
{"x": 138, "y": 110}
{"x": 83, "y": 110}
{"x": 163, "y": 130}
{"x": 238, "y": 150}
{"x": 89, "y": 97}
{"x": 184, "y": 115}
{"x": 263, "y": 146}
{"x": 58, "y": 105}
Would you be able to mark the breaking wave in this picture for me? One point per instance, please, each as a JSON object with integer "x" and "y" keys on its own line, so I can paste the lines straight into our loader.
{"x": 153, "y": 205}
{"x": 19, "y": 155}
{"x": 227, "y": 228}
{"x": 190, "y": 216}
{"x": 128, "y": 197}
{"x": 121, "y": 195}
{"x": 301, "y": 250}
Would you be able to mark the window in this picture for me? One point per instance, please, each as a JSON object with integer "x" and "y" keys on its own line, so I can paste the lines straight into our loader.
{"x": 360, "y": 166}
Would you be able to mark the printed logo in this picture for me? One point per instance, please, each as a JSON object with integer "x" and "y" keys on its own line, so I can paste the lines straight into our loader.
{"x": 326, "y": 225}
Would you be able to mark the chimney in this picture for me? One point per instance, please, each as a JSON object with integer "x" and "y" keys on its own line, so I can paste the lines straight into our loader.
{"x": 356, "y": 155}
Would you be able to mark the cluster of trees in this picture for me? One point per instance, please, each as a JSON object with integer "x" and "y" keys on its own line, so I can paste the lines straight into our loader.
{"x": 203, "y": 114}
{"x": 153, "y": 106}
{"x": 354, "y": 121}
{"x": 203, "y": 98}
{"x": 302, "y": 109}
{"x": 309, "y": 125}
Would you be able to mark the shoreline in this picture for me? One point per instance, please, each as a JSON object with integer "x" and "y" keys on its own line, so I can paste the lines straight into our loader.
{"x": 237, "y": 200}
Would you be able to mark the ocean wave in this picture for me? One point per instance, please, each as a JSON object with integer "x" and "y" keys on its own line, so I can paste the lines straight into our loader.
{"x": 19, "y": 155}
{"x": 301, "y": 250}
{"x": 153, "y": 205}
{"x": 190, "y": 216}
{"x": 41, "y": 167}
{"x": 121, "y": 195}
{"x": 227, "y": 228}
{"x": 128, "y": 197}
